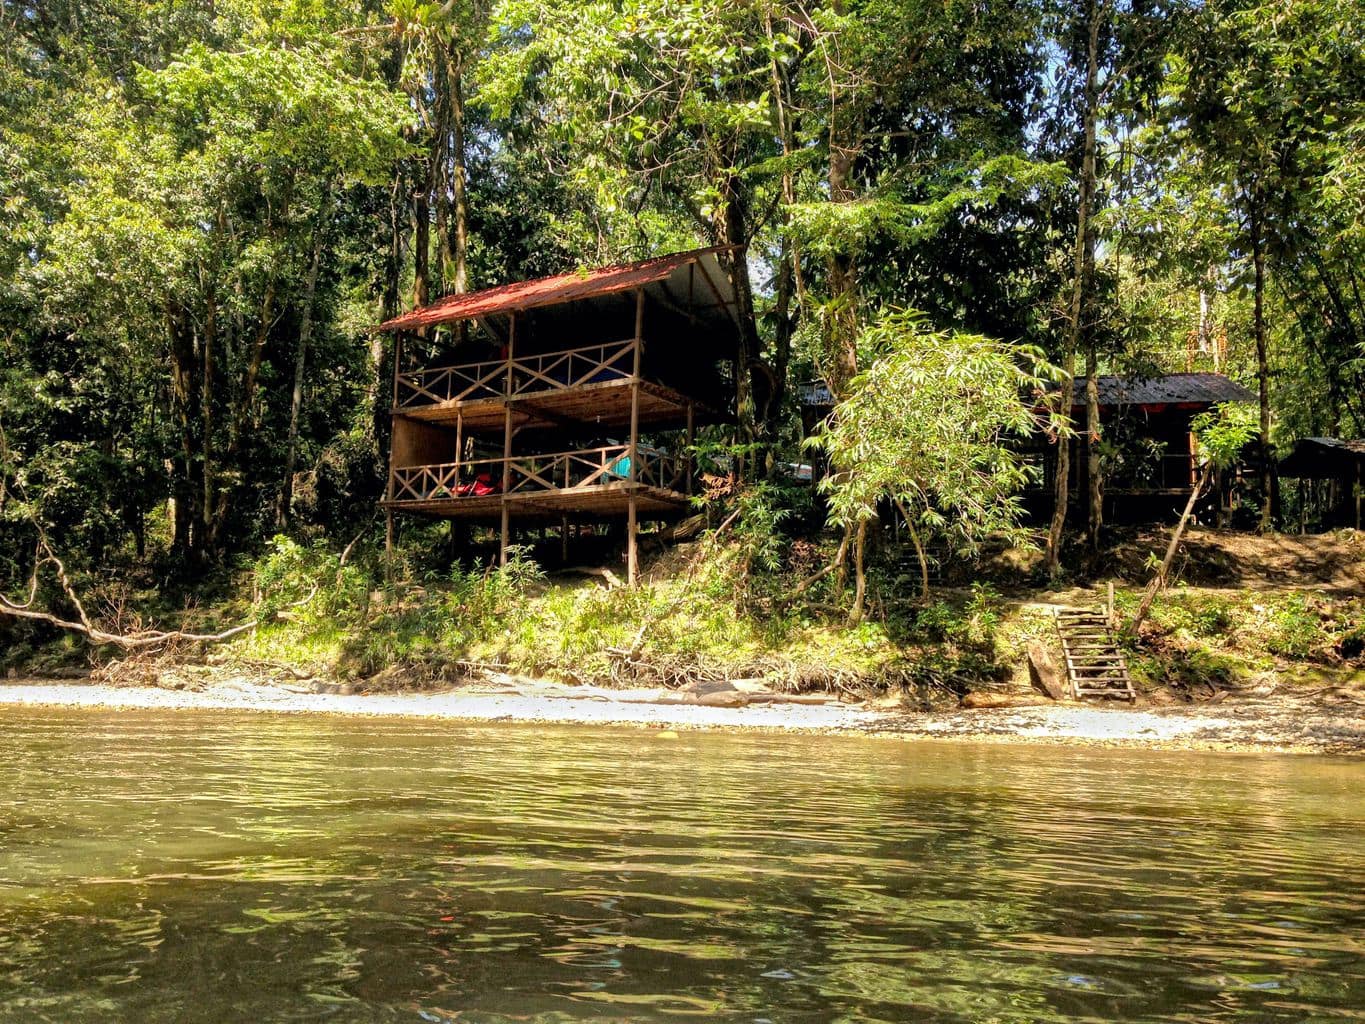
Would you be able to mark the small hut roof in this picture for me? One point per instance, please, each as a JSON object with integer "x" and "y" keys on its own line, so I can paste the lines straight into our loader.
{"x": 1177, "y": 389}
{"x": 1323, "y": 458}
{"x": 1168, "y": 389}
{"x": 570, "y": 287}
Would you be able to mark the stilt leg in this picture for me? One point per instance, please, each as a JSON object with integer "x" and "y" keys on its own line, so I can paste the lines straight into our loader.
{"x": 632, "y": 564}
{"x": 506, "y": 526}
{"x": 388, "y": 547}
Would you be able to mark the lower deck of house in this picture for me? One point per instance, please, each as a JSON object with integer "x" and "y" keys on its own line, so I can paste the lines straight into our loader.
{"x": 582, "y": 484}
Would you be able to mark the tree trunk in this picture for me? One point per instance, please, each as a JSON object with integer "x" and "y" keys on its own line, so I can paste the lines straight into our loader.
{"x": 841, "y": 322}
{"x": 1269, "y": 478}
{"x": 1061, "y": 492}
{"x": 459, "y": 273}
{"x": 421, "y": 245}
{"x": 1159, "y": 580}
{"x": 788, "y": 289}
{"x": 859, "y": 572}
{"x": 919, "y": 553}
{"x": 207, "y": 396}
{"x": 185, "y": 383}
{"x": 284, "y": 509}
{"x": 1077, "y": 328}
{"x": 1093, "y": 467}
{"x": 731, "y": 229}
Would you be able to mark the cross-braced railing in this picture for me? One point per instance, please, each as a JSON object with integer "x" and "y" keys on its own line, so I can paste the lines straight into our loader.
{"x": 526, "y": 474}
{"x": 532, "y": 374}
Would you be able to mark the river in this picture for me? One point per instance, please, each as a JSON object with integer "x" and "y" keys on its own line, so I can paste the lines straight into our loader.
{"x": 215, "y": 867}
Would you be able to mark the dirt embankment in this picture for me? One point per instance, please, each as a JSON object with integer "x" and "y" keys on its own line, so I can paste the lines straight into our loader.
{"x": 1330, "y": 563}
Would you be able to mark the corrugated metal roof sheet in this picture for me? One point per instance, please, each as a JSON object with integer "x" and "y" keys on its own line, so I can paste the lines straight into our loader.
{"x": 1323, "y": 458}
{"x": 1167, "y": 389}
{"x": 550, "y": 291}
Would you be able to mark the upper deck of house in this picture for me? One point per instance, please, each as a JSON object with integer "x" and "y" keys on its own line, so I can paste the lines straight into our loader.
{"x": 562, "y": 353}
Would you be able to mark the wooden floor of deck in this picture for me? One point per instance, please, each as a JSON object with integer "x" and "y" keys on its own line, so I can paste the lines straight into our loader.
{"x": 605, "y": 404}
{"x": 593, "y": 502}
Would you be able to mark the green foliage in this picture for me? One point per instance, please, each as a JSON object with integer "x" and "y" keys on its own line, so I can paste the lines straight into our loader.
{"x": 928, "y": 427}
{"x": 170, "y": 172}
{"x": 1224, "y": 433}
{"x": 1295, "y": 629}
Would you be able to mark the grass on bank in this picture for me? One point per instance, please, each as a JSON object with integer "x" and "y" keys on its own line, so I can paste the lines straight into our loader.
{"x": 726, "y": 608}
{"x": 708, "y": 611}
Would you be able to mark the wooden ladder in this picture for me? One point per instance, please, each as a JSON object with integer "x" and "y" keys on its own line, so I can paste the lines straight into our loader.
{"x": 1095, "y": 667}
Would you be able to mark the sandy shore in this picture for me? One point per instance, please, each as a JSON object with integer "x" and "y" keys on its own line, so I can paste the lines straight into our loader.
{"x": 1298, "y": 724}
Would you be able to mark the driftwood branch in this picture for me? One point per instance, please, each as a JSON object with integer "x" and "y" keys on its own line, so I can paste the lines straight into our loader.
{"x": 142, "y": 639}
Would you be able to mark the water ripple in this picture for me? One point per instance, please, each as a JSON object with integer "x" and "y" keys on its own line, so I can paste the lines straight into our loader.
{"x": 183, "y": 867}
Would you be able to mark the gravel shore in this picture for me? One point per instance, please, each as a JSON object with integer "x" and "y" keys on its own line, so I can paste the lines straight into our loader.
{"x": 1301, "y": 724}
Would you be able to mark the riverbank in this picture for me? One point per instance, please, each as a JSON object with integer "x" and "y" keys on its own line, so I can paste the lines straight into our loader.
{"x": 1303, "y": 723}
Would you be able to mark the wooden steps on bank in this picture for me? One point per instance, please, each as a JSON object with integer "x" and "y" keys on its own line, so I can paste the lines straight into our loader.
{"x": 1095, "y": 666}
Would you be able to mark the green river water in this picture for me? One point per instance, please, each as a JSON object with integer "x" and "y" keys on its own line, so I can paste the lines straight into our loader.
{"x": 215, "y": 867}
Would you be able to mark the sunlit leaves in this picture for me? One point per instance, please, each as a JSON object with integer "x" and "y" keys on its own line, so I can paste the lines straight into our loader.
{"x": 930, "y": 425}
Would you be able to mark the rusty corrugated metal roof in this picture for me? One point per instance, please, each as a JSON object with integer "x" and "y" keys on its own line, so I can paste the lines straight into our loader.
{"x": 548, "y": 291}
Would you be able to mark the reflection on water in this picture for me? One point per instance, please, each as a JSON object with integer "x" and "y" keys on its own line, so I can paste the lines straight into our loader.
{"x": 182, "y": 867}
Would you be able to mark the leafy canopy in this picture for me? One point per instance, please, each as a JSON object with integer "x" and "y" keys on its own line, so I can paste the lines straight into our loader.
{"x": 928, "y": 426}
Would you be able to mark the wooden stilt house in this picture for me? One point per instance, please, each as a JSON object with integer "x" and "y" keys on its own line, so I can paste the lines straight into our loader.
{"x": 565, "y": 399}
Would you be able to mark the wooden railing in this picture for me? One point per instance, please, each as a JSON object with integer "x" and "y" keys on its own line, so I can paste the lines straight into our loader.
{"x": 527, "y": 474}
{"x": 532, "y": 374}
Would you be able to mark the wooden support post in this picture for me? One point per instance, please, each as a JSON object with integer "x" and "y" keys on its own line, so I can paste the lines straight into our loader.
{"x": 564, "y": 538}
{"x": 388, "y": 512}
{"x": 632, "y": 555}
{"x": 459, "y": 443}
{"x": 1360, "y": 486}
{"x": 691, "y": 440}
{"x": 388, "y": 546}
{"x": 507, "y": 441}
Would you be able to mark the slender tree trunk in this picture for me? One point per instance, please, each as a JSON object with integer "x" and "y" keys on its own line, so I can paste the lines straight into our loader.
{"x": 459, "y": 274}
{"x": 842, "y": 320}
{"x": 731, "y": 229}
{"x": 207, "y": 398}
{"x": 1159, "y": 580}
{"x": 215, "y": 515}
{"x": 185, "y": 383}
{"x": 859, "y": 572}
{"x": 284, "y": 509}
{"x": 421, "y": 246}
{"x": 1086, "y": 328}
{"x": 1093, "y": 466}
{"x": 1269, "y": 478}
{"x": 788, "y": 290}
{"x": 1061, "y": 492}
{"x": 919, "y": 552}
{"x": 1076, "y": 321}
